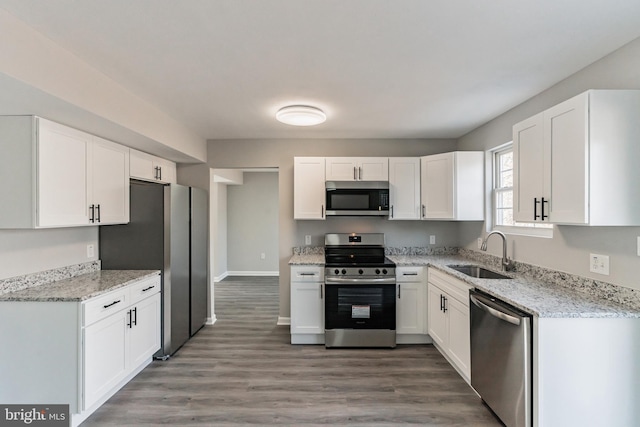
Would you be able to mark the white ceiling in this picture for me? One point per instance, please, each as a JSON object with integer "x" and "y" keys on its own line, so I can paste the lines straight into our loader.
{"x": 378, "y": 68}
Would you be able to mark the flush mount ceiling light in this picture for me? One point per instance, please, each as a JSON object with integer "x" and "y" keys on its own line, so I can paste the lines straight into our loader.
{"x": 301, "y": 115}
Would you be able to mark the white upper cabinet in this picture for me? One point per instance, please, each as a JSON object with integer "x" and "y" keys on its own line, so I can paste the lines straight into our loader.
{"x": 309, "y": 188}
{"x": 357, "y": 169}
{"x": 151, "y": 168}
{"x": 404, "y": 188}
{"x": 452, "y": 186}
{"x": 56, "y": 176}
{"x": 109, "y": 182}
{"x": 589, "y": 150}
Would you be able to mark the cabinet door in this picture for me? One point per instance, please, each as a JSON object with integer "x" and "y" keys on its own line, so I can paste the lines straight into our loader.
{"x": 166, "y": 171}
{"x": 566, "y": 161}
{"x": 141, "y": 165}
{"x": 438, "y": 327}
{"x": 62, "y": 175}
{"x": 307, "y": 308}
{"x": 106, "y": 356}
{"x": 144, "y": 333}
{"x": 341, "y": 169}
{"x": 411, "y": 307}
{"x": 308, "y": 188}
{"x": 404, "y": 187}
{"x": 529, "y": 169}
{"x": 109, "y": 182}
{"x": 373, "y": 168}
{"x": 437, "y": 183}
{"x": 459, "y": 335}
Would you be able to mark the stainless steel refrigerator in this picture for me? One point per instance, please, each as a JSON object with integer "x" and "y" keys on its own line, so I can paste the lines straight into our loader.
{"x": 167, "y": 232}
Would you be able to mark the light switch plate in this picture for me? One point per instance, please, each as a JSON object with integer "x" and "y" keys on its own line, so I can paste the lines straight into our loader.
{"x": 307, "y": 239}
{"x": 479, "y": 242}
{"x": 599, "y": 264}
{"x": 90, "y": 251}
{"x": 432, "y": 240}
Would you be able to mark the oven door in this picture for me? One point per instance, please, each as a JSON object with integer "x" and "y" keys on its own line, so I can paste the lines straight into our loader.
{"x": 360, "y": 306}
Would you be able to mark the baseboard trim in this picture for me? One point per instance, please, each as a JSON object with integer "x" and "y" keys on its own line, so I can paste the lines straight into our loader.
{"x": 253, "y": 273}
{"x": 221, "y": 277}
{"x": 210, "y": 320}
{"x": 284, "y": 321}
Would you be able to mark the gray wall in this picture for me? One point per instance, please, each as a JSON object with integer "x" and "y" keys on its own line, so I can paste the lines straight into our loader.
{"x": 252, "y": 225}
{"x": 30, "y": 251}
{"x": 280, "y": 153}
{"x": 570, "y": 246}
{"x": 219, "y": 230}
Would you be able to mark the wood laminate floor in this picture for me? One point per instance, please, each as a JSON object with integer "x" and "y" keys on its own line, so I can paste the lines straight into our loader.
{"x": 243, "y": 371}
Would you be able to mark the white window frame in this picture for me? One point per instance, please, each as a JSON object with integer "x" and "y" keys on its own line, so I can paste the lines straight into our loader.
{"x": 535, "y": 231}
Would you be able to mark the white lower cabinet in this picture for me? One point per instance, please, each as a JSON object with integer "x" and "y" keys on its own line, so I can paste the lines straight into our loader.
{"x": 411, "y": 305}
{"x": 119, "y": 344}
{"x": 307, "y": 304}
{"x": 448, "y": 319}
{"x": 78, "y": 353}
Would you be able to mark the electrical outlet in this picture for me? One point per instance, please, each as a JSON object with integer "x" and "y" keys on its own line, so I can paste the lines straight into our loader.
{"x": 479, "y": 242}
{"x": 307, "y": 239}
{"x": 599, "y": 264}
{"x": 432, "y": 240}
{"x": 263, "y": 255}
{"x": 90, "y": 251}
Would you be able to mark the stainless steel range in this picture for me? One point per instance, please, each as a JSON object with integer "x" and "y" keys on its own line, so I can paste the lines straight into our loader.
{"x": 360, "y": 287}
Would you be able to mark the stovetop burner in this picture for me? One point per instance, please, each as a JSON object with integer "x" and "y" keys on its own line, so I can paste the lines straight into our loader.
{"x": 357, "y": 255}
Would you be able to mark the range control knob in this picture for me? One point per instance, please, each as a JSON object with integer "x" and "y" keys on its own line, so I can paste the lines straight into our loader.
{"x": 384, "y": 271}
{"x": 377, "y": 271}
{"x": 336, "y": 271}
{"x": 360, "y": 271}
{"x": 344, "y": 271}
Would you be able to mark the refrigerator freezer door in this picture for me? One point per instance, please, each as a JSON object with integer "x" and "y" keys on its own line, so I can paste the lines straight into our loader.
{"x": 178, "y": 300}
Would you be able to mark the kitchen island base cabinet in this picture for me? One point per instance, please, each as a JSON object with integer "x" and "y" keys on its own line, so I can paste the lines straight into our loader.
{"x": 585, "y": 372}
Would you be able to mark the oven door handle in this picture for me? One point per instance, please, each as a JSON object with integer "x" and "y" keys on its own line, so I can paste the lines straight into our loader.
{"x": 340, "y": 280}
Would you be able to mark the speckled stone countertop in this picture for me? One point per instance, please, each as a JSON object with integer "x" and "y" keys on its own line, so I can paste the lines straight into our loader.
{"x": 540, "y": 298}
{"x": 79, "y": 288}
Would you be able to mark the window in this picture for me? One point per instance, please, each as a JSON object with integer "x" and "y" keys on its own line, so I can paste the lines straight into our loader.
{"x": 503, "y": 197}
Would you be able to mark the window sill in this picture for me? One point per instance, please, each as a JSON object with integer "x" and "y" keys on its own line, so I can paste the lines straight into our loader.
{"x": 545, "y": 233}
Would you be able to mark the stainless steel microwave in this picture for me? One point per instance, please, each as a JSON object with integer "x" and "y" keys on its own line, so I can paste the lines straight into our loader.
{"x": 357, "y": 198}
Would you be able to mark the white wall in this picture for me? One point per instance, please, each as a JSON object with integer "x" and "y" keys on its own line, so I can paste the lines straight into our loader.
{"x": 30, "y": 251}
{"x": 252, "y": 225}
{"x": 570, "y": 247}
{"x": 280, "y": 153}
{"x": 219, "y": 230}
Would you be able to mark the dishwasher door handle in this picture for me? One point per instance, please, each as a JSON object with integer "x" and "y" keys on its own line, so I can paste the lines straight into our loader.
{"x": 496, "y": 313}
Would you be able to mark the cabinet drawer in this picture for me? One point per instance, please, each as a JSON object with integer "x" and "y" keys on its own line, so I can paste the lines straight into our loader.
{"x": 105, "y": 305}
{"x": 307, "y": 273}
{"x": 144, "y": 289}
{"x": 454, "y": 287}
{"x": 411, "y": 274}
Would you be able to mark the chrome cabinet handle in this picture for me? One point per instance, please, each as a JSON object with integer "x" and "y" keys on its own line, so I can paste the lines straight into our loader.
{"x": 399, "y": 290}
{"x": 355, "y": 174}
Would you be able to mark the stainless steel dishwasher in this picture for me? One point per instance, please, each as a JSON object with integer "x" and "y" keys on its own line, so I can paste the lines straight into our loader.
{"x": 501, "y": 368}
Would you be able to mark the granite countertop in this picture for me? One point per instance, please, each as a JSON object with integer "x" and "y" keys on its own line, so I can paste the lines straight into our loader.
{"x": 542, "y": 299}
{"x": 80, "y": 288}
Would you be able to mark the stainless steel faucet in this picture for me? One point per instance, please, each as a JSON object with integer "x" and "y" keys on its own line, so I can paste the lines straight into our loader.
{"x": 507, "y": 264}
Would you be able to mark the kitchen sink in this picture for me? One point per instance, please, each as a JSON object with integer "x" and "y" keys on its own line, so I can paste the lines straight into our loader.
{"x": 477, "y": 271}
